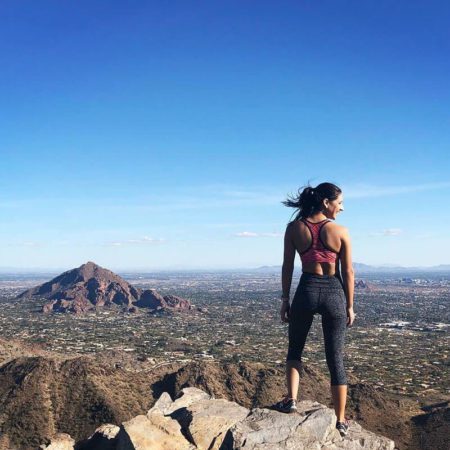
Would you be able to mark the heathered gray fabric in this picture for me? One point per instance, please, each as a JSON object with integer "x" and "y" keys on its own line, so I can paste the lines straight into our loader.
{"x": 321, "y": 294}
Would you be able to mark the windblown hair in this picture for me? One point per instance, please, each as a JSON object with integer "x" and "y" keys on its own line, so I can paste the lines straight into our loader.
{"x": 309, "y": 200}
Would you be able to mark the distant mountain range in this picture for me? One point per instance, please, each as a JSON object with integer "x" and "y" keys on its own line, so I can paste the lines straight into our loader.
{"x": 365, "y": 268}
{"x": 359, "y": 267}
{"x": 91, "y": 287}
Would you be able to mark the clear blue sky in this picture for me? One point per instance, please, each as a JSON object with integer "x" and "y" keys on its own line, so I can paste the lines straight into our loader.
{"x": 165, "y": 134}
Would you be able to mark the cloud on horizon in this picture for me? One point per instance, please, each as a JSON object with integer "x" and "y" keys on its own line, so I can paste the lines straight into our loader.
{"x": 247, "y": 234}
{"x": 387, "y": 232}
{"x": 141, "y": 241}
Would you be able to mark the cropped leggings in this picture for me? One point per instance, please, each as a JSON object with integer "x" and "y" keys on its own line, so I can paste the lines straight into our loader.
{"x": 325, "y": 295}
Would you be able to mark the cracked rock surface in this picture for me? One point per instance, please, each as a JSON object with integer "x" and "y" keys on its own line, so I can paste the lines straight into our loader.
{"x": 196, "y": 420}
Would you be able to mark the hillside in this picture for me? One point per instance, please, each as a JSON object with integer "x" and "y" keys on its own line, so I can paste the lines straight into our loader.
{"x": 40, "y": 396}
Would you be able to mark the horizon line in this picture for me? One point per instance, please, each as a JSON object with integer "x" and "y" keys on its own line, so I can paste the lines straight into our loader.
{"x": 13, "y": 270}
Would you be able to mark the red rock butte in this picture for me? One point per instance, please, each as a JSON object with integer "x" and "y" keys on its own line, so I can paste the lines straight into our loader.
{"x": 90, "y": 287}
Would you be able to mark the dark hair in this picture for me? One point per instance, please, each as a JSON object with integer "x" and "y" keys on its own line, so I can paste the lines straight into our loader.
{"x": 309, "y": 199}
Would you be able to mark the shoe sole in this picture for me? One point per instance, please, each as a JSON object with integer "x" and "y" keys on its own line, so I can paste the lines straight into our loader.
{"x": 286, "y": 411}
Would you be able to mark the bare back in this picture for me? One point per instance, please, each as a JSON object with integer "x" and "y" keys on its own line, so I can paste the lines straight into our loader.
{"x": 332, "y": 236}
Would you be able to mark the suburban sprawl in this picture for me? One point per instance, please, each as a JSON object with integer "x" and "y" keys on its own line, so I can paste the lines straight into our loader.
{"x": 399, "y": 341}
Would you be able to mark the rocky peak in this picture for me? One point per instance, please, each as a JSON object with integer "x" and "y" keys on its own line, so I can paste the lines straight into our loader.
{"x": 90, "y": 269}
{"x": 91, "y": 286}
{"x": 196, "y": 420}
{"x": 362, "y": 284}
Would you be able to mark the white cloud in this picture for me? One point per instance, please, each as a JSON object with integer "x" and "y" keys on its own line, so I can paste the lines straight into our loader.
{"x": 424, "y": 236}
{"x": 220, "y": 196}
{"x": 252, "y": 234}
{"x": 245, "y": 234}
{"x": 30, "y": 244}
{"x": 387, "y": 232}
{"x": 392, "y": 232}
{"x": 141, "y": 241}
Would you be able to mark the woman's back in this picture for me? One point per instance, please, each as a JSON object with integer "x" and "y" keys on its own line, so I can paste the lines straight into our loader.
{"x": 318, "y": 243}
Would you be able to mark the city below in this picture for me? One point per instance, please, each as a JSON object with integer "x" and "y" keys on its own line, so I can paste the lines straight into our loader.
{"x": 399, "y": 341}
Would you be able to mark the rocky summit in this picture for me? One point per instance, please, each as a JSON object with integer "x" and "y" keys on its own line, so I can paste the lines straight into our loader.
{"x": 91, "y": 287}
{"x": 197, "y": 420}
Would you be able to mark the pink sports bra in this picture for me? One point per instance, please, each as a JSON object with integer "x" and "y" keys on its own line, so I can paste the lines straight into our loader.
{"x": 317, "y": 251}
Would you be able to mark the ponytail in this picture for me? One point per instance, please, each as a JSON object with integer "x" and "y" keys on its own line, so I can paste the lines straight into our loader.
{"x": 309, "y": 200}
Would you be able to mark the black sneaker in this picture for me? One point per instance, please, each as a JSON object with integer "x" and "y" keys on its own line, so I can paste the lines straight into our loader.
{"x": 342, "y": 427}
{"x": 287, "y": 405}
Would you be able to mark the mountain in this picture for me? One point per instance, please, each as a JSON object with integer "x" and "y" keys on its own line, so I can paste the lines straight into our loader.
{"x": 361, "y": 284}
{"x": 91, "y": 286}
{"x": 433, "y": 428}
{"x": 41, "y": 395}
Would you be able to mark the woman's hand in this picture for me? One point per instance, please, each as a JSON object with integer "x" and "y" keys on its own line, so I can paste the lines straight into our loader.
{"x": 350, "y": 316}
{"x": 284, "y": 312}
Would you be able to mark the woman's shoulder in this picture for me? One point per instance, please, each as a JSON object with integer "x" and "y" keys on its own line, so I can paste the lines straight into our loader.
{"x": 340, "y": 230}
{"x": 294, "y": 224}
{"x": 340, "y": 227}
{"x": 330, "y": 225}
{"x": 336, "y": 228}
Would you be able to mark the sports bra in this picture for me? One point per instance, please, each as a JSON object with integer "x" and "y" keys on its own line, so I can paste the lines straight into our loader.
{"x": 317, "y": 251}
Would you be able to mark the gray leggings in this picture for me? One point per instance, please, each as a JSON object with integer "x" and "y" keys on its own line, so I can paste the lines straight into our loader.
{"x": 325, "y": 295}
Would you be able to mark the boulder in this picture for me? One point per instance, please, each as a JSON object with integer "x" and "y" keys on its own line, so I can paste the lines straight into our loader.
{"x": 263, "y": 428}
{"x": 163, "y": 404}
{"x": 60, "y": 441}
{"x": 104, "y": 438}
{"x": 153, "y": 431}
{"x": 195, "y": 420}
{"x": 186, "y": 397}
{"x": 313, "y": 427}
{"x": 358, "y": 438}
{"x": 207, "y": 421}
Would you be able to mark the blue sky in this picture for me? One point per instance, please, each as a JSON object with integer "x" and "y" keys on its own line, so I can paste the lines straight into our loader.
{"x": 146, "y": 135}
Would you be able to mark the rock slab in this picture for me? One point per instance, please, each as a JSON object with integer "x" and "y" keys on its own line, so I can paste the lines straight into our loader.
{"x": 153, "y": 431}
{"x": 195, "y": 420}
{"x": 312, "y": 428}
{"x": 209, "y": 420}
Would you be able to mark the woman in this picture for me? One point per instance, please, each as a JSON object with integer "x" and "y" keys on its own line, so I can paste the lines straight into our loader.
{"x": 326, "y": 287}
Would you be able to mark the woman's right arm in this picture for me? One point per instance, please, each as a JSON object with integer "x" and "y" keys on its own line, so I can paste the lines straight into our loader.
{"x": 286, "y": 272}
{"x": 348, "y": 275}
